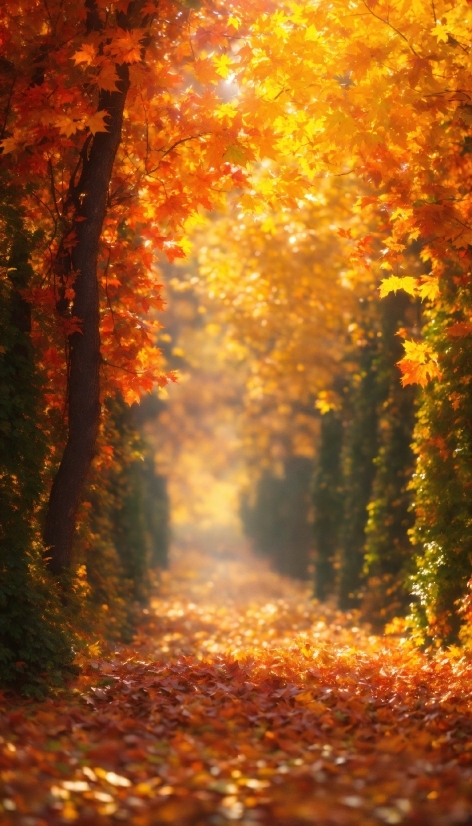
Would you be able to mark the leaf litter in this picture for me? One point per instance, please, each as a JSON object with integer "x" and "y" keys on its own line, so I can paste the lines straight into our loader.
{"x": 242, "y": 700}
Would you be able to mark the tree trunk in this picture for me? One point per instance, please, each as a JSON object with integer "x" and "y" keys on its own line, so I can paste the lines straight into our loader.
{"x": 90, "y": 200}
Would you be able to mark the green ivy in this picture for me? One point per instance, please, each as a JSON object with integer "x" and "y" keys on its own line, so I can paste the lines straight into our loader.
{"x": 360, "y": 449}
{"x": 362, "y": 501}
{"x": 35, "y": 647}
{"x": 328, "y": 503}
{"x": 443, "y": 478}
{"x": 125, "y": 531}
{"x": 278, "y": 521}
{"x": 388, "y": 550}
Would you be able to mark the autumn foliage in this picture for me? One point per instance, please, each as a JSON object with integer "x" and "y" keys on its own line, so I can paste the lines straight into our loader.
{"x": 291, "y": 182}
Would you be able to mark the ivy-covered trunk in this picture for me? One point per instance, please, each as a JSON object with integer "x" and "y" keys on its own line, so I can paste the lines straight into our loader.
{"x": 388, "y": 549}
{"x": 362, "y": 500}
{"x": 328, "y": 503}
{"x": 443, "y": 478}
{"x": 34, "y": 646}
{"x": 361, "y": 447}
{"x": 278, "y": 521}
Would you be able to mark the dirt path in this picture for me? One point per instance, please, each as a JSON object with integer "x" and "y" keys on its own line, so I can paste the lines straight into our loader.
{"x": 241, "y": 701}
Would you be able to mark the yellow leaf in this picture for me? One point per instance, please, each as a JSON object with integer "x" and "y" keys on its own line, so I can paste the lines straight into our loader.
{"x": 223, "y": 65}
{"x": 429, "y": 288}
{"x": 312, "y": 33}
{"x": 96, "y": 122}
{"x": 440, "y": 33}
{"x": 419, "y": 366}
{"x": 419, "y": 351}
{"x": 394, "y": 283}
{"x": 66, "y": 125}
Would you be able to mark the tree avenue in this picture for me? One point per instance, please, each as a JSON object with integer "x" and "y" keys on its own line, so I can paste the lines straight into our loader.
{"x": 334, "y": 141}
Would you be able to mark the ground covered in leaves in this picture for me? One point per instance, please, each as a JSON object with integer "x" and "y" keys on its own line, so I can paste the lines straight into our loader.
{"x": 243, "y": 701}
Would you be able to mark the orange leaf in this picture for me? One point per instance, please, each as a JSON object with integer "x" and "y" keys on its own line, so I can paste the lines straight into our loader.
{"x": 96, "y": 122}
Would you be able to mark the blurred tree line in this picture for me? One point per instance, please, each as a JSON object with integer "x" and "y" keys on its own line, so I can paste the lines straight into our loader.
{"x": 345, "y": 515}
{"x": 331, "y": 436}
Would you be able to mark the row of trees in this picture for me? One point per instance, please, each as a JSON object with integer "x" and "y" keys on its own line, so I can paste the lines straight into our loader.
{"x": 327, "y": 426}
{"x": 379, "y": 97}
{"x": 111, "y": 136}
{"x": 299, "y": 297}
{"x": 122, "y": 531}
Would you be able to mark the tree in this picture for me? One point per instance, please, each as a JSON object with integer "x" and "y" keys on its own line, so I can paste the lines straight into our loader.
{"x": 78, "y": 256}
{"x": 378, "y": 467}
{"x": 327, "y": 502}
{"x": 388, "y": 550}
{"x": 124, "y": 523}
{"x": 442, "y": 482}
{"x": 119, "y": 151}
{"x": 278, "y": 521}
{"x": 365, "y": 465}
{"x": 360, "y": 450}
{"x": 35, "y": 642}
{"x": 362, "y": 95}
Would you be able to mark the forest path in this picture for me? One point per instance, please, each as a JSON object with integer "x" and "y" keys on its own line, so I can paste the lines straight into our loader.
{"x": 243, "y": 701}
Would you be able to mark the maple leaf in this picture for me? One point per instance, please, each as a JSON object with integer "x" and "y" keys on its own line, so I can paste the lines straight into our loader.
{"x": 414, "y": 372}
{"x": 96, "y": 122}
{"x": 205, "y": 70}
{"x": 86, "y": 54}
{"x": 420, "y": 351}
{"x": 223, "y": 64}
{"x": 420, "y": 364}
{"x": 440, "y": 33}
{"x": 429, "y": 288}
{"x": 238, "y": 154}
{"x": 234, "y": 22}
{"x": 173, "y": 251}
{"x": 312, "y": 34}
{"x": 107, "y": 78}
{"x": 395, "y": 282}
{"x": 126, "y": 47}
{"x": 67, "y": 126}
